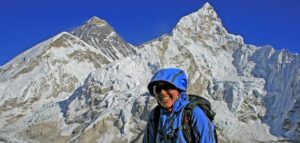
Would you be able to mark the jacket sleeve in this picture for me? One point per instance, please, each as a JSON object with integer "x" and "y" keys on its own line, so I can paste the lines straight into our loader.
{"x": 203, "y": 129}
{"x": 149, "y": 133}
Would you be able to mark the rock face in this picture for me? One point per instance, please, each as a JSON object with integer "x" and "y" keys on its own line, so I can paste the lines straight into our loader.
{"x": 99, "y": 34}
{"x": 90, "y": 85}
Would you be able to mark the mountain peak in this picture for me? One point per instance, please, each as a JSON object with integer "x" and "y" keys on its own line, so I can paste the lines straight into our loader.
{"x": 207, "y": 5}
{"x": 205, "y": 21}
{"x": 99, "y": 34}
{"x": 203, "y": 25}
{"x": 97, "y": 21}
{"x": 206, "y": 15}
{"x": 208, "y": 10}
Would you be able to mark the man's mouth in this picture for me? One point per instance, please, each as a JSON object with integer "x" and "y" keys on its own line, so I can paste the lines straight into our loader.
{"x": 165, "y": 98}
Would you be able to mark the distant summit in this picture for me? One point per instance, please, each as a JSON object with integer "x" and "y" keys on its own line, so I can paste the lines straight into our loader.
{"x": 204, "y": 24}
{"x": 99, "y": 34}
{"x": 97, "y": 21}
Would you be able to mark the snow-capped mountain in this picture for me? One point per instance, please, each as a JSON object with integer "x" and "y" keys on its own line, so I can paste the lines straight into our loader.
{"x": 48, "y": 72}
{"x": 90, "y": 85}
{"x": 47, "y": 69}
{"x": 99, "y": 34}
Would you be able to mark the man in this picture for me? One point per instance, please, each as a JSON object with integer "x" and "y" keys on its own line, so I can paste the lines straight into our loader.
{"x": 169, "y": 87}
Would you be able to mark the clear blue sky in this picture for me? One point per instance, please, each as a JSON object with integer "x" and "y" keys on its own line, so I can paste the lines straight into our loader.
{"x": 25, "y": 23}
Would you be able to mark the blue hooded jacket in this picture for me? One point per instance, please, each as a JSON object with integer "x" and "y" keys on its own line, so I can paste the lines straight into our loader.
{"x": 171, "y": 122}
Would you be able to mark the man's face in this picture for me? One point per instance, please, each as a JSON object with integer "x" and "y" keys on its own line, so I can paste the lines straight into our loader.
{"x": 166, "y": 95}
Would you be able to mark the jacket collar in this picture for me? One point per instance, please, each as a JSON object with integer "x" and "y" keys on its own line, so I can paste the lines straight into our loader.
{"x": 180, "y": 103}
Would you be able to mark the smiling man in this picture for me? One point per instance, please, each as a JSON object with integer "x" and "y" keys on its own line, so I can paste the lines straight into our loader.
{"x": 166, "y": 122}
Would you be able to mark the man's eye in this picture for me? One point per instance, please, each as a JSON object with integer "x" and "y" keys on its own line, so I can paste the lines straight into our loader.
{"x": 158, "y": 89}
{"x": 167, "y": 87}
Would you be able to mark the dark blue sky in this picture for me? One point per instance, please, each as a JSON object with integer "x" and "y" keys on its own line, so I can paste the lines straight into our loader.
{"x": 25, "y": 23}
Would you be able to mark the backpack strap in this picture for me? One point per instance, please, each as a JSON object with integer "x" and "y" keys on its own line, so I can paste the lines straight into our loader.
{"x": 186, "y": 123}
{"x": 155, "y": 119}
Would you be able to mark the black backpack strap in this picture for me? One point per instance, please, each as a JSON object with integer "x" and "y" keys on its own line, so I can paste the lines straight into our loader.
{"x": 155, "y": 117}
{"x": 215, "y": 134}
{"x": 186, "y": 125}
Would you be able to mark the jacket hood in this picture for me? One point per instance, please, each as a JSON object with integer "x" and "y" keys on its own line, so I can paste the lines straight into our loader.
{"x": 174, "y": 76}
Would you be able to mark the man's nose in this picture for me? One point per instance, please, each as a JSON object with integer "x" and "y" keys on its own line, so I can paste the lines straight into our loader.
{"x": 163, "y": 92}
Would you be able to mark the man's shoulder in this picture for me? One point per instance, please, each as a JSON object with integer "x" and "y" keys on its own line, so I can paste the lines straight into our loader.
{"x": 197, "y": 111}
{"x": 201, "y": 106}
